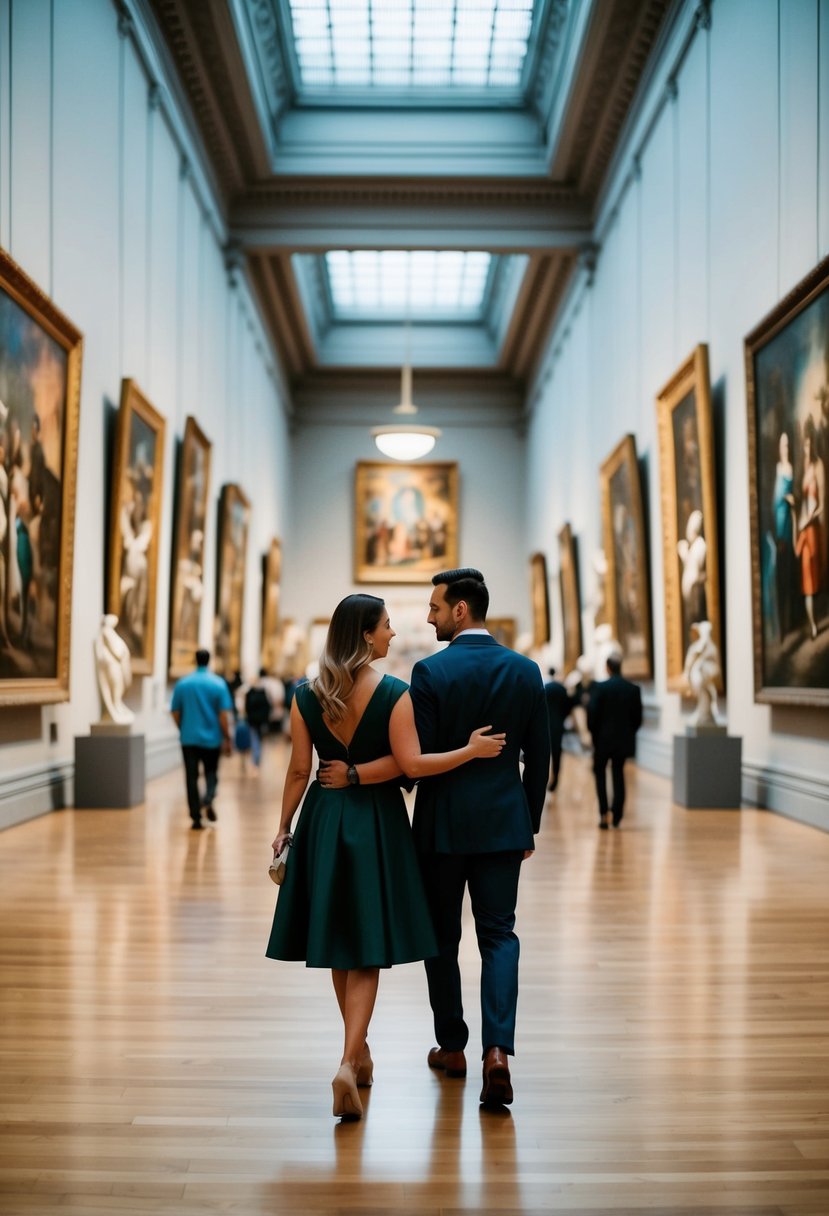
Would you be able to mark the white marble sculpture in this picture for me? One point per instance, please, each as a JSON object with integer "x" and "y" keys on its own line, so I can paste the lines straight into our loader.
{"x": 112, "y": 662}
{"x": 702, "y": 673}
{"x": 604, "y": 647}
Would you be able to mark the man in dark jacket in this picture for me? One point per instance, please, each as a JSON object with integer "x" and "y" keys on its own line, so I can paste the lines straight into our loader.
{"x": 474, "y": 826}
{"x": 558, "y": 707}
{"x": 613, "y": 718}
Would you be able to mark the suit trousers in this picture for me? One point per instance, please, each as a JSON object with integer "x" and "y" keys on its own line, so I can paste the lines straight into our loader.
{"x": 492, "y": 879}
{"x": 208, "y": 757}
{"x": 617, "y": 768}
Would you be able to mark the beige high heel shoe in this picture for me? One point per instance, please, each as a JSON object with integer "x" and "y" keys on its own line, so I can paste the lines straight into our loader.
{"x": 365, "y": 1072}
{"x": 347, "y": 1104}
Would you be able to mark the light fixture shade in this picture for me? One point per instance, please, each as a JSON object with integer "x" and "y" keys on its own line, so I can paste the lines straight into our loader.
{"x": 405, "y": 442}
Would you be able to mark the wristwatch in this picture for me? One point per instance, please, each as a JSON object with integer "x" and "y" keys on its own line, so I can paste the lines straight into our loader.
{"x": 352, "y": 775}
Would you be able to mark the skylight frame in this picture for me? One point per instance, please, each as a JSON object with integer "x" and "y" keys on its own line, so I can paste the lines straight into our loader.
{"x": 416, "y": 96}
{"x": 397, "y": 310}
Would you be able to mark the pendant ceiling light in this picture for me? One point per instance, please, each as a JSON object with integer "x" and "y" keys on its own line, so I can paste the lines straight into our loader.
{"x": 405, "y": 441}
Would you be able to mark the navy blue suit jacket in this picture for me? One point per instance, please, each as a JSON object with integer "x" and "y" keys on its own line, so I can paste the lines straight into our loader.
{"x": 485, "y": 806}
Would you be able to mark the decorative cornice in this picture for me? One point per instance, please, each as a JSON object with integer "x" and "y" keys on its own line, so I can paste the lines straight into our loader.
{"x": 270, "y": 52}
{"x": 548, "y": 56}
{"x": 403, "y": 193}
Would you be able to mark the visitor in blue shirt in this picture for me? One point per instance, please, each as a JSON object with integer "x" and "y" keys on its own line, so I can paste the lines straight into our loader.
{"x": 202, "y": 708}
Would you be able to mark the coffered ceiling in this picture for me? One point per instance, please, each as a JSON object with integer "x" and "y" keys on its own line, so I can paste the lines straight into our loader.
{"x": 440, "y": 126}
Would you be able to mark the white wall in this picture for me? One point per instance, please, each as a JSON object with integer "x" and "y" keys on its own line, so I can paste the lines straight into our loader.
{"x": 719, "y": 205}
{"x": 105, "y": 204}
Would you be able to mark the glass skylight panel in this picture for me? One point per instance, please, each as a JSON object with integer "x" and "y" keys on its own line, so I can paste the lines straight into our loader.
{"x": 399, "y": 284}
{"x": 411, "y": 44}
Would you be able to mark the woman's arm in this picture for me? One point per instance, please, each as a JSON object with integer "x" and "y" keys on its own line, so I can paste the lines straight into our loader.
{"x": 296, "y": 778}
{"x": 405, "y": 745}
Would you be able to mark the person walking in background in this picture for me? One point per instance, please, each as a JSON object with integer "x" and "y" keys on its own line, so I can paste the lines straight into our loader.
{"x": 257, "y": 714}
{"x": 352, "y": 898}
{"x": 202, "y": 709}
{"x": 475, "y": 825}
{"x": 558, "y": 707}
{"x": 613, "y": 718}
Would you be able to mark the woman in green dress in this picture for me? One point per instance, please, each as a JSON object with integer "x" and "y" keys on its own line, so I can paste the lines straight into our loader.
{"x": 352, "y": 898}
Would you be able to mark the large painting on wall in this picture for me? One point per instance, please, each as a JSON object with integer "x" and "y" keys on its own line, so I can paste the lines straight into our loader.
{"x": 627, "y": 585}
{"x": 570, "y": 598}
{"x": 134, "y": 524}
{"x": 40, "y": 380}
{"x": 787, "y": 374}
{"x": 234, "y": 513}
{"x": 271, "y": 578}
{"x": 187, "y": 582}
{"x": 689, "y": 510}
{"x": 539, "y": 599}
{"x": 503, "y": 629}
{"x": 406, "y": 521}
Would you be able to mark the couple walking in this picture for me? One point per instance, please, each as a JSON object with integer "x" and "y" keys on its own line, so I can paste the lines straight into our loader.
{"x": 364, "y": 891}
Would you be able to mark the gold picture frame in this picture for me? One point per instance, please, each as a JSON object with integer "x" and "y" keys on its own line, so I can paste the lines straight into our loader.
{"x": 625, "y": 547}
{"x": 405, "y": 521}
{"x": 41, "y": 353}
{"x": 135, "y": 520}
{"x": 690, "y": 530}
{"x": 234, "y": 518}
{"x": 787, "y": 398}
{"x": 187, "y": 591}
{"x": 570, "y": 597}
{"x": 539, "y": 599}
{"x": 271, "y": 586}
{"x": 504, "y": 629}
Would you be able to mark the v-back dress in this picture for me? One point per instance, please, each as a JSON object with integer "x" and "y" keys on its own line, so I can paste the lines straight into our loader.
{"x": 352, "y": 895}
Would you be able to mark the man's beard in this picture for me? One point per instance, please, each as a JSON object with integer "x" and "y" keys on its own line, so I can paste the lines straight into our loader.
{"x": 444, "y": 633}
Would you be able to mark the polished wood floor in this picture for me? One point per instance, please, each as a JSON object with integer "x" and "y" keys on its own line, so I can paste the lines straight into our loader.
{"x": 673, "y": 1048}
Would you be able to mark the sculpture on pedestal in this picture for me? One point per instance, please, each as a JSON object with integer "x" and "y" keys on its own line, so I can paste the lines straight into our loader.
{"x": 112, "y": 662}
{"x": 702, "y": 673}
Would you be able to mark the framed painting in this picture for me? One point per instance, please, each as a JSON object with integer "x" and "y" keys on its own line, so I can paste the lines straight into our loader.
{"x": 787, "y": 377}
{"x": 40, "y": 385}
{"x": 570, "y": 598}
{"x": 187, "y": 579}
{"x": 627, "y": 586}
{"x": 687, "y": 480}
{"x": 406, "y": 521}
{"x": 271, "y": 578}
{"x": 539, "y": 599}
{"x": 137, "y": 481}
{"x": 234, "y": 515}
{"x": 503, "y": 629}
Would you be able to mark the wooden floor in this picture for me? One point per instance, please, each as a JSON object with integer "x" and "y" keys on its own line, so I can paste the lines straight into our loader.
{"x": 672, "y": 1055}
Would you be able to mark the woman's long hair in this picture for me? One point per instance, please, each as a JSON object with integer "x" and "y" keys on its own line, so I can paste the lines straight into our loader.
{"x": 346, "y": 651}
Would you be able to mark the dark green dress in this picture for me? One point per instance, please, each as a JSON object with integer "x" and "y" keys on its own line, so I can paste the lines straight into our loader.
{"x": 352, "y": 895}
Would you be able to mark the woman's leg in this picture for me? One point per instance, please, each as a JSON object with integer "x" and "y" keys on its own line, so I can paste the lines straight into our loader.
{"x": 364, "y": 1068}
{"x": 360, "y": 995}
{"x": 809, "y": 601}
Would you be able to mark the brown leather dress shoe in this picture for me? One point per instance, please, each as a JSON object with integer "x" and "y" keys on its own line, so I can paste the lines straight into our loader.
{"x": 453, "y": 1063}
{"x": 497, "y": 1087}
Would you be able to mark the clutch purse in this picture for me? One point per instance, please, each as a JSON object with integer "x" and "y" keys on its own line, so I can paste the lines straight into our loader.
{"x": 279, "y": 865}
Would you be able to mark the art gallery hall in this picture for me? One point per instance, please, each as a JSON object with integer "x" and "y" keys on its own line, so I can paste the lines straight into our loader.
{"x": 301, "y": 299}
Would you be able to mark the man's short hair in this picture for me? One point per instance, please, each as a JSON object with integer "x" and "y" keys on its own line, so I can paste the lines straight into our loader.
{"x": 202, "y": 658}
{"x": 465, "y": 584}
{"x": 614, "y": 664}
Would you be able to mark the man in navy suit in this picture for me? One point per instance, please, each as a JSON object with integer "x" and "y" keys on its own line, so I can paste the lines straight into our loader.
{"x": 475, "y": 825}
{"x": 614, "y": 715}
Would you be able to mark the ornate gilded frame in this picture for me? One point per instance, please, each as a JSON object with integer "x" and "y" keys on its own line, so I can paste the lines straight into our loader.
{"x": 405, "y": 521}
{"x": 787, "y": 381}
{"x": 570, "y": 598}
{"x": 628, "y": 585}
{"x": 687, "y": 479}
{"x": 271, "y": 579}
{"x": 503, "y": 629}
{"x": 36, "y": 331}
{"x": 539, "y": 599}
{"x": 187, "y": 590}
{"x": 234, "y": 518}
{"x": 131, "y": 487}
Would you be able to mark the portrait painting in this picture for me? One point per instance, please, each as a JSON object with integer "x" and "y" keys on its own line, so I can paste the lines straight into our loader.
{"x": 234, "y": 514}
{"x": 187, "y": 579}
{"x": 570, "y": 597}
{"x": 627, "y": 585}
{"x": 406, "y": 521}
{"x": 539, "y": 599}
{"x": 688, "y": 492}
{"x": 40, "y": 378}
{"x": 135, "y": 520}
{"x": 787, "y": 375}
{"x": 271, "y": 579}
{"x": 504, "y": 629}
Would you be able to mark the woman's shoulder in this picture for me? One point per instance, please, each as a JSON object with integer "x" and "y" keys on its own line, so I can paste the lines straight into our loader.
{"x": 394, "y": 688}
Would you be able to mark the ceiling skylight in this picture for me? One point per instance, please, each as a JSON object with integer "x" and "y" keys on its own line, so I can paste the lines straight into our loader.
{"x": 411, "y": 44}
{"x": 400, "y": 284}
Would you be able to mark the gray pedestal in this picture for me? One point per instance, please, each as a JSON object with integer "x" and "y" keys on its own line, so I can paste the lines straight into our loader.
{"x": 707, "y": 771}
{"x": 109, "y": 770}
